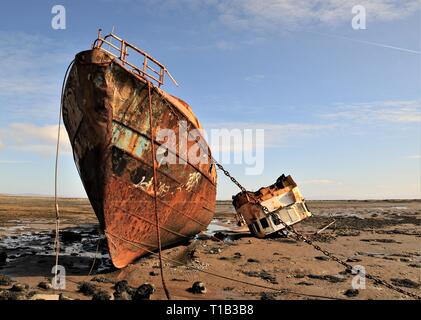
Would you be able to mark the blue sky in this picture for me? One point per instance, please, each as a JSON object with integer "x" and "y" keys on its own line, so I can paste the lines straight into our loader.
{"x": 341, "y": 108}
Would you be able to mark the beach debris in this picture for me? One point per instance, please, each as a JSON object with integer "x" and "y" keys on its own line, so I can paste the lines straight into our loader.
{"x": 179, "y": 280}
{"x": 235, "y": 257}
{"x": 5, "y": 280}
{"x": 122, "y": 295}
{"x": 198, "y": 288}
{"x": 143, "y": 292}
{"x": 286, "y": 240}
{"x": 101, "y": 295}
{"x": 45, "y": 285}
{"x": 325, "y": 227}
{"x": 330, "y": 278}
{"x": 19, "y": 287}
{"x": 102, "y": 279}
{"x": 380, "y": 240}
{"x": 252, "y": 260}
{"x": 123, "y": 291}
{"x": 87, "y": 288}
{"x": 215, "y": 250}
{"x": 407, "y": 283}
{"x": 352, "y": 259}
{"x": 262, "y": 275}
{"x": 351, "y": 293}
{"x": 228, "y": 289}
{"x": 268, "y": 295}
{"x": 415, "y": 265}
{"x": 305, "y": 283}
{"x": 14, "y": 294}
{"x": 121, "y": 286}
{"x": 322, "y": 258}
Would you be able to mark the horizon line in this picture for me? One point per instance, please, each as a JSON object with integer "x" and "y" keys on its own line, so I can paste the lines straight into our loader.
{"x": 30, "y": 195}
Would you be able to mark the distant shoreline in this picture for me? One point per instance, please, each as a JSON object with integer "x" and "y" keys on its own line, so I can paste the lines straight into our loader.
{"x": 219, "y": 201}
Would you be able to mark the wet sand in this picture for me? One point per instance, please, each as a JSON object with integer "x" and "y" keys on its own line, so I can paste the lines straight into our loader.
{"x": 381, "y": 236}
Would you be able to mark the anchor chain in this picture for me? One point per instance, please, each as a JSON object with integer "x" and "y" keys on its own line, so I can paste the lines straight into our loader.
{"x": 291, "y": 229}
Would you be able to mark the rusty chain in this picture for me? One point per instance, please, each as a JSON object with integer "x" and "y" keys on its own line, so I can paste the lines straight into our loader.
{"x": 298, "y": 235}
{"x": 304, "y": 239}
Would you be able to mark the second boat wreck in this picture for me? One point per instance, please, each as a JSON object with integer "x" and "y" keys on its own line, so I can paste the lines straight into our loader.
{"x": 283, "y": 200}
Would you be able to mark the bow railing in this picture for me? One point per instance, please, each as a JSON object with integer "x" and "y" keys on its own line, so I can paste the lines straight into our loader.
{"x": 141, "y": 64}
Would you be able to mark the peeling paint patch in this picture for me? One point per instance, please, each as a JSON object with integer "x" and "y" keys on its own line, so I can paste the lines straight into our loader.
{"x": 129, "y": 141}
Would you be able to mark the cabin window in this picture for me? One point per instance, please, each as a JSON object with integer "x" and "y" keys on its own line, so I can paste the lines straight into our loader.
{"x": 264, "y": 223}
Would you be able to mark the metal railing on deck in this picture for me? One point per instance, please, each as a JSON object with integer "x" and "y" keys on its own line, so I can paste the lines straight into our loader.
{"x": 150, "y": 69}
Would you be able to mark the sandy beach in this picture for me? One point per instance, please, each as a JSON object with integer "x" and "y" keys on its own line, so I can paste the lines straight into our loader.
{"x": 382, "y": 236}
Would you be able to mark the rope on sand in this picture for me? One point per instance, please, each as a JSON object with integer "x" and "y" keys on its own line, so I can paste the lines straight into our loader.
{"x": 56, "y": 206}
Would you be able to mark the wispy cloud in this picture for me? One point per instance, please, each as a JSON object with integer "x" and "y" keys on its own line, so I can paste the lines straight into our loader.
{"x": 32, "y": 69}
{"x": 41, "y": 140}
{"x": 417, "y": 156}
{"x": 397, "y": 111}
{"x": 371, "y": 43}
{"x": 290, "y": 14}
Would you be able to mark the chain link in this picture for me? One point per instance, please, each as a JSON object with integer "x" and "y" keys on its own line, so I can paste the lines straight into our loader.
{"x": 291, "y": 229}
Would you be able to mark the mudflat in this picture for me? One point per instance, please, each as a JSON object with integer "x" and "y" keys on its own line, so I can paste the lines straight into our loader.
{"x": 383, "y": 237}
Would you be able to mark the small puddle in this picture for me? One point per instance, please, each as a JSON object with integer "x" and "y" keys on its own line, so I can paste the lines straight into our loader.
{"x": 216, "y": 226}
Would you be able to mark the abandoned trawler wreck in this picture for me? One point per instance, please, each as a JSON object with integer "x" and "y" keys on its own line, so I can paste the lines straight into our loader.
{"x": 112, "y": 110}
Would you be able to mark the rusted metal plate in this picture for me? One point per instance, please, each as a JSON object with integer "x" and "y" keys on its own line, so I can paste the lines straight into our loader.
{"x": 105, "y": 113}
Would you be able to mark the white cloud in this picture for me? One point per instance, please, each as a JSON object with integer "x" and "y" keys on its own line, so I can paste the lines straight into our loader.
{"x": 41, "y": 140}
{"x": 414, "y": 157}
{"x": 290, "y": 14}
{"x": 26, "y": 60}
{"x": 397, "y": 111}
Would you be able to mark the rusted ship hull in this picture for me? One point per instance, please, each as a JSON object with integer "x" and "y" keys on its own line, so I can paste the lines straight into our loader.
{"x": 105, "y": 112}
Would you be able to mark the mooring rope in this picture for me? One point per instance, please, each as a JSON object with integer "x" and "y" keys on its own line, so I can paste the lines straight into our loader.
{"x": 155, "y": 187}
{"x": 57, "y": 210}
{"x": 95, "y": 257}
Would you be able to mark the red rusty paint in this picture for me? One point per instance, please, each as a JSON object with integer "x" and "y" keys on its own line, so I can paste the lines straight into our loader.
{"x": 118, "y": 182}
